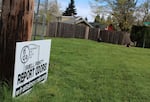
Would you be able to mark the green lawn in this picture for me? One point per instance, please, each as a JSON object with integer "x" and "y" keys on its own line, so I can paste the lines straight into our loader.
{"x": 87, "y": 71}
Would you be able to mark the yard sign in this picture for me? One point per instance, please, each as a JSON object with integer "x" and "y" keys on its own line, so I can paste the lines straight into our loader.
{"x": 31, "y": 65}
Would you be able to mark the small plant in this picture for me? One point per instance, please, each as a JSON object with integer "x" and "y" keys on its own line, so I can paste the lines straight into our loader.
{"x": 5, "y": 92}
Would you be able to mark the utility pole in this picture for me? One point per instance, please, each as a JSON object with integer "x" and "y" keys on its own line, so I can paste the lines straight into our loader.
{"x": 36, "y": 19}
{"x": 16, "y": 26}
{"x": 44, "y": 20}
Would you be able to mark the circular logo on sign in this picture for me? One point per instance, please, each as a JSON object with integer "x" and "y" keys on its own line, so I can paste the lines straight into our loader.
{"x": 24, "y": 56}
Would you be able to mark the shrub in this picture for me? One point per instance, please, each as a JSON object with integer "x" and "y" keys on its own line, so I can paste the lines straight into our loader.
{"x": 141, "y": 35}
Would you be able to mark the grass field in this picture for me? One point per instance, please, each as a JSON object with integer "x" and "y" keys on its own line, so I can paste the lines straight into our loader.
{"x": 87, "y": 71}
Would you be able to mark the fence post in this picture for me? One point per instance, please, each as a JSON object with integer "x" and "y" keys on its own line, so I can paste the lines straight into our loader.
{"x": 56, "y": 29}
{"x": 16, "y": 25}
{"x": 98, "y": 34}
{"x": 87, "y": 32}
{"x": 47, "y": 29}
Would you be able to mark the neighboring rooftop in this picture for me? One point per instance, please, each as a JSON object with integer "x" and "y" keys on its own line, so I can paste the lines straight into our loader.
{"x": 75, "y": 20}
{"x": 98, "y": 25}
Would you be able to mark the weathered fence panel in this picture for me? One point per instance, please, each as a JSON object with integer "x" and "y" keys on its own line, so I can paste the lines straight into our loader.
{"x": 93, "y": 34}
{"x": 51, "y": 29}
{"x": 66, "y": 30}
{"x": 111, "y": 37}
{"x": 80, "y": 31}
{"x": 115, "y": 37}
{"x": 103, "y": 35}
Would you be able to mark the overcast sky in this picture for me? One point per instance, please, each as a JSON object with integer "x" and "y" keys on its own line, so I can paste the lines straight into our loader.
{"x": 82, "y": 6}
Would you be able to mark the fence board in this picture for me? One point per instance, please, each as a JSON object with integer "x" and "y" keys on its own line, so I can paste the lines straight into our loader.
{"x": 93, "y": 34}
{"x": 51, "y": 29}
{"x": 80, "y": 31}
{"x": 66, "y": 31}
{"x": 111, "y": 37}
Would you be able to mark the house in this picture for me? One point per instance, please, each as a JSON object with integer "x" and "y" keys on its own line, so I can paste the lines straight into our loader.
{"x": 98, "y": 25}
{"x": 75, "y": 20}
{"x": 72, "y": 20}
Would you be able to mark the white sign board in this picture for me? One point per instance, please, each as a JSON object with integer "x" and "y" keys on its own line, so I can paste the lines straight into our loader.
{"x": 31, "y": 65}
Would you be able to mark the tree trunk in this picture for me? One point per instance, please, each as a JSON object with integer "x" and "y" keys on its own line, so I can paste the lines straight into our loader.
{"x": 16, "y": 26}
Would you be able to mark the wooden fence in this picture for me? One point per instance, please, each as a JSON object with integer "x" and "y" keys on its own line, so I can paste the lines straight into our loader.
{"x": 65, "y": 30}
{"x": 77, "y": 31}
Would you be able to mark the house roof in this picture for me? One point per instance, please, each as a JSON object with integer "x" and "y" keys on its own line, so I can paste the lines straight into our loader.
{"x": 98, "y": 25}
{"x": 68, "y": 19}
{"x": 75, "y": 20}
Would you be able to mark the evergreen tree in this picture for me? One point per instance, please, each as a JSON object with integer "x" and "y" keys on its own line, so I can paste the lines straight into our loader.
{"x": 86, "y": 18}
{"x": 102, "y": 20}
{"x": 97, "y": 19}
{"x": 70, "y": 10}
{"x": 109, "y": 20}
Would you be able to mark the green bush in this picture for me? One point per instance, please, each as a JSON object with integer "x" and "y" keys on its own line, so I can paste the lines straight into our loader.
{"x": 141, "y": 34}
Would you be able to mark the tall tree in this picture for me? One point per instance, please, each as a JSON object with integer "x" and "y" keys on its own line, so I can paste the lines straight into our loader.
{"x": 97, "y": 19}
{"x": 102, "y": 20}
{"x": 121, "y": 10}
{"x": 109, "y": 20}
{"x": 146, "y": 10}
{"x": 70, "y": 10}
{"x": 143, "y": 12}
{"x": 52, "y": 10}
{"x": 86, "y": 18}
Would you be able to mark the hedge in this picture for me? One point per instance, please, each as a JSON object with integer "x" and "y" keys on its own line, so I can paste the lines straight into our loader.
{"x": 141, "y": 35}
